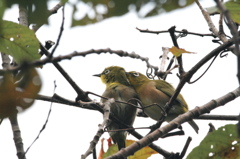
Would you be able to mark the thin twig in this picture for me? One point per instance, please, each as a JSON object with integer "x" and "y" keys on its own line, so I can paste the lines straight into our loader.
{"x": 185, "y": 147}
{"x": 81, "y": 94}
{"x": 177, "y": 31}
{"x": 60, "y": 33}
{"x": 44, "y": 125}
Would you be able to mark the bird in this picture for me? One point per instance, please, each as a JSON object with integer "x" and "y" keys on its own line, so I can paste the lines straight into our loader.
{"x": 119, "y": 88}
{"x": 159, "y": 92}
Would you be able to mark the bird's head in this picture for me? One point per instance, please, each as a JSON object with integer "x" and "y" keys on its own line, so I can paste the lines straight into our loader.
{"x": 136, "y": 79}
{"x": 113, "y": 74}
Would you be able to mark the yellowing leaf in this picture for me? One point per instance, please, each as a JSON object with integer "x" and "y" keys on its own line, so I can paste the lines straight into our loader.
{"x": 8, "y": 96}
{"x": 144, "y": 153}
{"x": 20, "y": 93}
{"x": 100, "y": 156}
{"x": 30, "y": 84}
{"x": 178, "y": 52}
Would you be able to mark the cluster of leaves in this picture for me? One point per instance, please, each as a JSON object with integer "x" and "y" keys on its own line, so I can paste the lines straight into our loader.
{"x": 18, "y": 90}
{"x": 110, "y": 8}
{"x": 101, "y": 9}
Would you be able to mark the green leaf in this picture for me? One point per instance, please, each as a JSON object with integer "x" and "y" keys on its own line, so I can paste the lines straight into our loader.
{"x": 234, "y": 9}
{"x": 219, "y": 144}
{"x": 18, "y": 41}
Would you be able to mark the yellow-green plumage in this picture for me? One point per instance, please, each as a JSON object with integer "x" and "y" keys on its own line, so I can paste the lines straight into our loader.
{"x": 158, "y": 91}
{"x": 118, "y": 87}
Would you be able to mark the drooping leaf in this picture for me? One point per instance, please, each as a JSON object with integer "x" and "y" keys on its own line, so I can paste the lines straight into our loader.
{"x": 18, "y": 41}
{"x": 221, "y": 143}
{"x": 177, "y": 52}
{"x": 144, "y": 153}
{"x": 18, "y": 94}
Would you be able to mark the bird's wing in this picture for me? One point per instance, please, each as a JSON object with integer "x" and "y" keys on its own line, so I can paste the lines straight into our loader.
{"x": 169, "y": 90}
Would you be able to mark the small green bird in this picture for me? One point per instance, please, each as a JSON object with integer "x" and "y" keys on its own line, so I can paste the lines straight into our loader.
{"x": 119, "y": 88}
{"x": 158, "y": 91}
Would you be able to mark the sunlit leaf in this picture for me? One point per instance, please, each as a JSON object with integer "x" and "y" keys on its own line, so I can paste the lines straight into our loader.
{"x": 222, "y": 143}
{"x": 18, "y": 41}
{"x": 144, "y": 153}
{"x": 19, "y": 93}
{"x": 177, "y": 52}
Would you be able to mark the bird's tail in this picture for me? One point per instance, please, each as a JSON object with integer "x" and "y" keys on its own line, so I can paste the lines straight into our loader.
{"x": 119, "y": 139}
{"x": 194, "y": 125}
{"x": 121, "y": 144}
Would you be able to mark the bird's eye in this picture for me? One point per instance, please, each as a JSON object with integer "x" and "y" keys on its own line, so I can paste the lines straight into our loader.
{"x": 135, "y": 74}
{"x": 106, "y": 72}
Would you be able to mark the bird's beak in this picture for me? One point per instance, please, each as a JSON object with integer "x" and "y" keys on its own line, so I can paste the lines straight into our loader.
{"x": 98, "y": 75}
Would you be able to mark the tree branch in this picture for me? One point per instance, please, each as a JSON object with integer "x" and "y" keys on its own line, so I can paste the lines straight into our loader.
{"x": 120, "y": 53}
